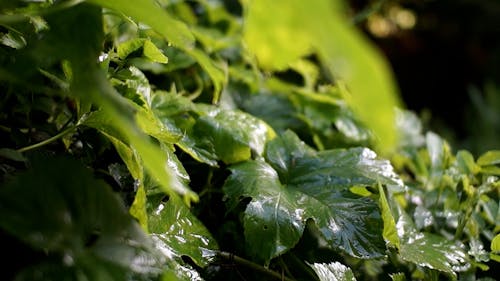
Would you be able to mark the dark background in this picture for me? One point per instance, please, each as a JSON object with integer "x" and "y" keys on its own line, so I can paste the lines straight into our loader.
{"x": 447, "y": 66}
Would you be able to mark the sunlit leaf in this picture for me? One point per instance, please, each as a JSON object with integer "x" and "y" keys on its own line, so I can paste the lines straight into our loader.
{"x": 153, "y": 53}
{"x": 146, "y": 11}
{"x": 301, "y": 184}
{"x": 389, "y": 233}
{"x": 489, "y": 158}
{"x": 334, "y": 271}
{"x": 126, "y": 48}
{"x": 232, "y": 135}
{"x": 430, "y": 250}
{"x": 495, "y": 244}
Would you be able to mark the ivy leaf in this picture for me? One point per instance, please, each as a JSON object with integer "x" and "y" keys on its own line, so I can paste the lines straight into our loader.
{"x": 429, "y": 250}
{"x": 178, "y": 232}
{"x": 153, "y": 53}
{"x": 59, "y": 207}
{"x": 301, "y": 184}
{"x": 334, "y": 271}
{"x": 232, "y": 135}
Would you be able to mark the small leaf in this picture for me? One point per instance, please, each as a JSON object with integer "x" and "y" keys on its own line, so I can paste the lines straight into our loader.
{"x": 126, "y": 48}
{"x": 153, "y": 53}
{"x": 13, "y": 40}
{"x": 398, "y": 276}
{"x": 466, "y": 163}
{"x": 489, "y": 158}
{"x": 12, "y": 155}
{"x": 390, "y": 232}
{"x": 334, "y": 271}
{"x": 495, "y": 244}
{"x": 232, "y": 135}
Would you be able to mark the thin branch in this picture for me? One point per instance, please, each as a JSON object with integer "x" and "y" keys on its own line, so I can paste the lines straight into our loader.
{"x": 47, "y": 141}
{"x": 253, "y": 266}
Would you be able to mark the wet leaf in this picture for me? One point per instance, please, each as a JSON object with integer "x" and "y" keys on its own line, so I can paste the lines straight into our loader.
{"x": 232, "y": 135}
{"x": 334, "y": 271}
{"x": 298, "y": 185}
{"x": 178, "y": 232}
{"x": 430, "y": 250}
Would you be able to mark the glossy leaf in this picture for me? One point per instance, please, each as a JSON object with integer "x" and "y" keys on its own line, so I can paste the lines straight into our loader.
{"x": 298, "y": 185}
{"x": 430, "y": 250}
{"x": 334, "y": 271}
{"x": 232, "y": 135}
{"x": 275, "y": 218}
{"x": 146, "y": 11}
{"x": 178, "y": 232}
{"x": 78, "y": 221}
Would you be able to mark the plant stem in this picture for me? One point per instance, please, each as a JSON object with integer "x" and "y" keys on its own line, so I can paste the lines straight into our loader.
{"x": 47, "y": 141}
{"x": 252, "y": 265}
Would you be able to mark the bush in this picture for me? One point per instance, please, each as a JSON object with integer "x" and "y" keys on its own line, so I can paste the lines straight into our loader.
{"x": 202, "y": 140}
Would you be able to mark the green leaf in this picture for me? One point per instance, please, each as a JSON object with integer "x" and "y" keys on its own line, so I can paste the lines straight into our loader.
{"x": 214, "y": 71}
{"x": 435, "y": 252}
{"x": 177, "y": 232}
{"x": 178, "y": 113}
{"x": 269, "y": 29}
{"x": 275, "y": 218}
{"x": 126, "y": 48}
{"x": 232, "y": 135}
{"x": 153, "y": 53}
{"x": 466, "y": 163}
{"x": 390, "y": 232}
{"x": 12, "y": 155}
{"x": 333, "y": 271}
{"x": 398, "y": 276}
{"x": 59, "y": 207}
{"x": 146, "y": 11}
{"x": 495, "y": 244}
{"x": 300, "y": 184}
{"x": 489, "y": 158}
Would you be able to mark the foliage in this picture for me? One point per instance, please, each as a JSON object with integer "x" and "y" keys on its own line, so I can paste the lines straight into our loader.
{"x": 174, "y": 140}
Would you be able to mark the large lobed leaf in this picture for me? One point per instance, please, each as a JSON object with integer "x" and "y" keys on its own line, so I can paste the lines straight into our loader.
{"x": 300, "y": 184}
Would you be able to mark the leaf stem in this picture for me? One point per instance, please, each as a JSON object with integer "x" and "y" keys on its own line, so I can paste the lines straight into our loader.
{"x": 252, "y": 265}
{"x": 47, "y": 141}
